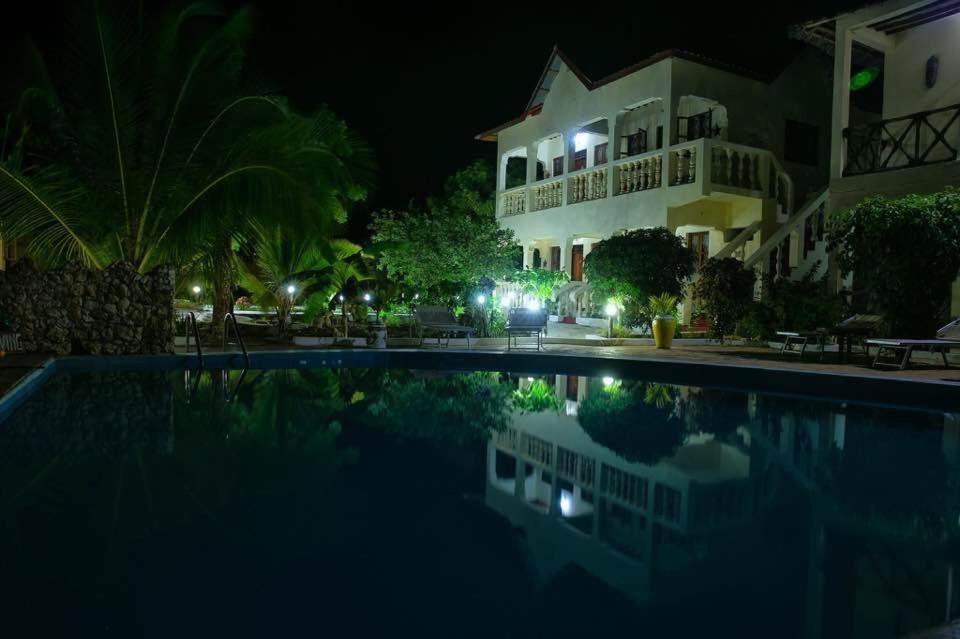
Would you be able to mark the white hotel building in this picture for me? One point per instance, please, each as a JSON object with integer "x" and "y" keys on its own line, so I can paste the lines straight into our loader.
{"x": 736, "y": 164}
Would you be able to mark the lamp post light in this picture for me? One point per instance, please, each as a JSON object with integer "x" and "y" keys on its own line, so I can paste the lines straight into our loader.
{"x": 196, "y": 294}
{"x": 611, "y": 311}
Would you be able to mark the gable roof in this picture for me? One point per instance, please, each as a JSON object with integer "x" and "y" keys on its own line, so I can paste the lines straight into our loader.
{"x": 558, "y": 58}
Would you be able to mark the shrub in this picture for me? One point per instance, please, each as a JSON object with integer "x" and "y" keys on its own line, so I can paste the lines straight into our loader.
{"x": 725, "y": 290}
{"x": 636, "y": 265}
{"x": 800, "y": 305}
{"x": 904, "y": 255}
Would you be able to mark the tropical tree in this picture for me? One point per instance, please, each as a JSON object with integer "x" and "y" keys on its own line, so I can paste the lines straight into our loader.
{"x": 281, "y": 269}
{"x": 725, "y": 289}
{"x": 146, "y": 148}
{"x": 539, "y": 283}
{"x": 447, "y": 248}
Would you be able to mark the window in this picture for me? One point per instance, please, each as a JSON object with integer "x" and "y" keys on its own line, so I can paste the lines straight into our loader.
{"x": 600, "y": 154}
{"x": 580, "y": 160}
{"x": 558, "y": 166}
{"x": 801, "y": 143}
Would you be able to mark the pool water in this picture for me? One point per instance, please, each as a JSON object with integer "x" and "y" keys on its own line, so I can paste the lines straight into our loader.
{"x": 376, "y": 502}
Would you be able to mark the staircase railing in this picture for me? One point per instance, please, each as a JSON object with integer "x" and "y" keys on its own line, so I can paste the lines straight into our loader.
{"x": 742, "y": 238}
{"x": 791, "y": 225}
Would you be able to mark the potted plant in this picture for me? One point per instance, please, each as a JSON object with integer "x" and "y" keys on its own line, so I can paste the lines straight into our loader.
{"x": 663, "y": 309}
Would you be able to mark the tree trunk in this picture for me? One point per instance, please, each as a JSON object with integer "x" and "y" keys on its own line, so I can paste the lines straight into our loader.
{"x": 222, "y": 288}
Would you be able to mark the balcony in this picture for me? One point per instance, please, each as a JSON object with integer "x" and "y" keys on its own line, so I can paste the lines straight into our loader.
{"x": 918, "y": 139}
{"x": 687, "y": 171}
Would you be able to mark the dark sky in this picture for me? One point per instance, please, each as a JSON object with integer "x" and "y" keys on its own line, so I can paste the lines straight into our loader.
{"x": 419, "y": 82}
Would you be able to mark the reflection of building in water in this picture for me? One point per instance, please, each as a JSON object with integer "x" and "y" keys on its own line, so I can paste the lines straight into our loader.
{"x": 842, "y": 514}
{"x": 580, "y": 502}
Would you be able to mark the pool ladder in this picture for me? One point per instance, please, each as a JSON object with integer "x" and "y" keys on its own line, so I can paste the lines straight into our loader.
{"x": 229, "y": 321}
{"x": 191, "y": 381}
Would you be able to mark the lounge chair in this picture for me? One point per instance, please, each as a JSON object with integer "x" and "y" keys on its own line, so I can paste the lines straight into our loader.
{"x": 524, "y": 322}
{"x": 859, "y": 325}
{"x": 902, "y": 349}
{"x": 439, "y": 320}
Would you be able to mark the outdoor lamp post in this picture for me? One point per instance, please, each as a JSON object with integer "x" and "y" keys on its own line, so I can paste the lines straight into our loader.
{"x": 196, "y": 293}
{"x": 611, "y": 311}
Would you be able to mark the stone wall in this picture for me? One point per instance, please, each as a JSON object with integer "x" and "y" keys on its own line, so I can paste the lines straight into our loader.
{"x": 75, "y": 310}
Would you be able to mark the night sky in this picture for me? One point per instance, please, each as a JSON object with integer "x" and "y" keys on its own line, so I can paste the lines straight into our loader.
{"x": 418, "y": 83}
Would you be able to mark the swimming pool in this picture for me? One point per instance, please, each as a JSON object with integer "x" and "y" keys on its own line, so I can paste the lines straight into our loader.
{"x": 524, "y": 497}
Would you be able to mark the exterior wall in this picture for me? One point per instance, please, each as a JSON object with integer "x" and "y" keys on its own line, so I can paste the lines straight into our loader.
{"x": 904, "y": 90}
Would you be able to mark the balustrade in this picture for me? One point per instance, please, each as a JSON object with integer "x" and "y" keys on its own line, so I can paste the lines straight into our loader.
{"x": 513, "y": 202}
{"x": 591, "y": 185}
{"x": 547, "y": 196}
{"x": 685, "y": 165}
{"x": 735, "y": 167}
{"x": 639, "y": 175}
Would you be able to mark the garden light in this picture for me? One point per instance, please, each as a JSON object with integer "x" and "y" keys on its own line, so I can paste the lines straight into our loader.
{"x": 341, "y": 297}
{"x": 291, "y": 289}
{"x": 608, "y": 381}
{"x": 481, "y": 299}
{"x": 196, "y": 290}
{"x": 533, "y": 305}
{"x": 611, "y": 309}
{"x": 366, "y": 297}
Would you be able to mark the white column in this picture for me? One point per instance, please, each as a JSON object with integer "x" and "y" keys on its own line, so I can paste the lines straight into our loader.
{"x": 566, "y": 255}
{"x": 531, "y": 163}
{"x": 841, "y": 98}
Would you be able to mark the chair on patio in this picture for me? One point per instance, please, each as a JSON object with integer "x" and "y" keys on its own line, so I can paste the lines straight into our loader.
{"x": 439, "y": 320}
{"x": 527, "y": 323}
{"x": 902, "y": 349}
{"x": 860, "y": 325}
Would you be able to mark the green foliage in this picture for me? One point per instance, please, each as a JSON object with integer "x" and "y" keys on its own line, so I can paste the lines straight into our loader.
{"x": 447, "y": 248}
{"x": 316, "y": 269}
{"x": 450, "y": 411}
{"x": 725, "y": 290}
{"x": 640, "y": 422}
{"x": 540, "y": 283}
{"x": 537, "y": 397}
{"x": 146, "y": 149}
{"x": 904, "y": 255}
{"x": 663, "y": 304}
{"x": 636, "y": 265}
{"x": 799, "y": 305}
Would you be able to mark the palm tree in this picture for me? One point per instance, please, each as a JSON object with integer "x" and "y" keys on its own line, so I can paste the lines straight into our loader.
{"x": 148, "y": 150}
{"x": 282, "y": 269}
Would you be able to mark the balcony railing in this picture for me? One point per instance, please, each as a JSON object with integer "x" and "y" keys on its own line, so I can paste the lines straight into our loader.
{"x": 513, "y": 202}
{"x": 927, "y": 137}
{"x": 547, "y": 196}
{"x": 590, "y": 184}
{"x": 638, "y": 173}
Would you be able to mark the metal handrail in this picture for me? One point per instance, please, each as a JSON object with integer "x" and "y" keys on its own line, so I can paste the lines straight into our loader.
{"x": 192, "y": 322}
{"x": 229, "y": 320}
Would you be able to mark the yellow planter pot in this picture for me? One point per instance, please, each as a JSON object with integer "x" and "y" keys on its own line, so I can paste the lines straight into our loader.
{"x": 663, "y": 330}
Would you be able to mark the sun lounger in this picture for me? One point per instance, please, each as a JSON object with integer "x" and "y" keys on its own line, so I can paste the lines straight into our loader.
{"x": 860, "y": 325}
{"x": 440, "y": 321}
{"x": 524, "y": 322}
{"x": 947, "y": 337}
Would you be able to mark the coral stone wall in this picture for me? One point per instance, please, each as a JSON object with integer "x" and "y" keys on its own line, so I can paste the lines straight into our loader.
{"x": 75, "y": 310}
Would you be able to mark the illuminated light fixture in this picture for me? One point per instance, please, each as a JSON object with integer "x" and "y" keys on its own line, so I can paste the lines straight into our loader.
{"x": 291, "y": 289}
{"x": 863, "y": 79}
{"x": 481, "y": 299}
{"x": 566, "y": 503}
{"x": 529, "y": 379}
{"x": 416, "y": 295}
{"x": 533, "y": 305}
{"x": 341, "y": 297}
{"x": 611, "y": 309}
{"x": 580, "y": 141}
{"x": 196, "y": 290}
{"x": 366, "y": 297}
{"x": 608, "y": 381}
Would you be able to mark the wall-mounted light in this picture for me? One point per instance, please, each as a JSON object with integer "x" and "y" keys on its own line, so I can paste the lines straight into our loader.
{"x": 580, "y": 141}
